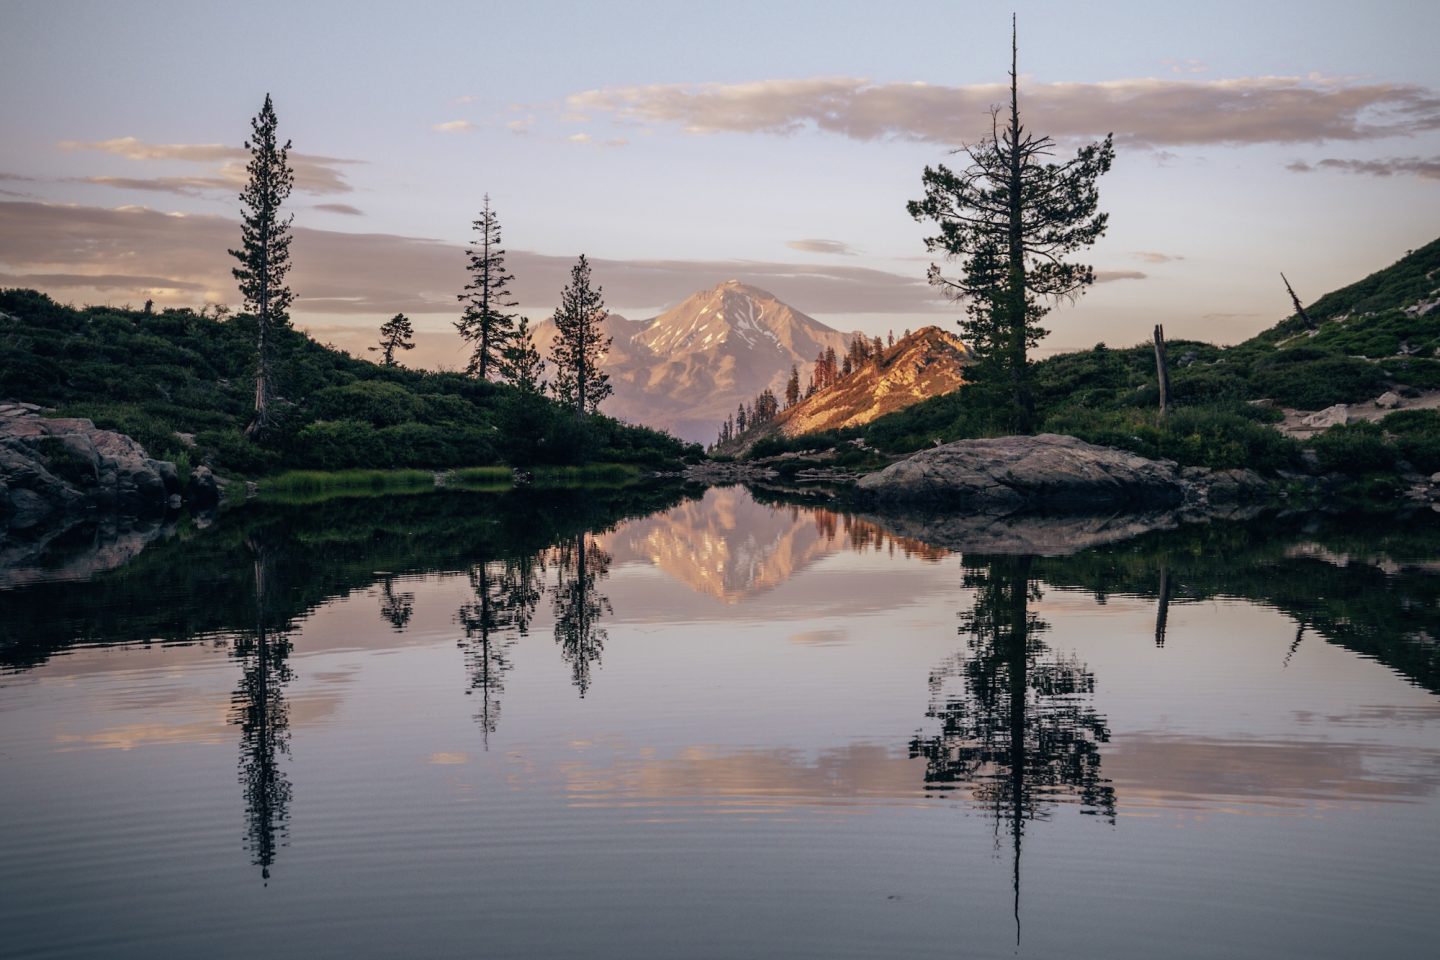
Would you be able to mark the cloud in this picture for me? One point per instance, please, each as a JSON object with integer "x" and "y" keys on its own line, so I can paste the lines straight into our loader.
{"x": 1422, "y": 167}
{"x": 1151, "y": 256}
{"x": 344, "y": 208}
{"x": 455, "y": 126}
{"x": 313, "y": 174}
{"x": 1109, "y": 276}
{"x": 181, "y": 186}
{"x": 579, "y": 138}
{"x": 815, "y": 245}
{"x": 1148, "y": 112}
{"x": 369, "y": 274}
{"x": 98, "y": 281}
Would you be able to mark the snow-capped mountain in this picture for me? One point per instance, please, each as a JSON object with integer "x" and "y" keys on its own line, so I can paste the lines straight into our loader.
{"x": 687, "y": 369}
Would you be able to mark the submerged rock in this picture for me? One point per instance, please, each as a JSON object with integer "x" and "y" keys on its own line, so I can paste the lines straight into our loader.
{"x": 1008, "y": 475}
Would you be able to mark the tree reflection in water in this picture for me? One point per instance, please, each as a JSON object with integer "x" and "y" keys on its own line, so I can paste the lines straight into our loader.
{"x": 579, "y": 606}
{"x": 395, "y": 608}
{"x": 505, "y": 596}
{"x": 258, "y": 707}
{"x": 1020, "y": 732}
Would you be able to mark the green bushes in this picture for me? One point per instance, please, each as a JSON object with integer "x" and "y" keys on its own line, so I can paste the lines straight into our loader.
{"x": 151, "y": 375}
{"x": 1308, "y": 379}
{"x": 1357, "y": 448}
{"x": 1416, "y": 436}
{"x": 372, "y": 402}
{"x": 1413, "y": 372}
{"x": 231, "y": 450}
{"x": 1201, "y": 437}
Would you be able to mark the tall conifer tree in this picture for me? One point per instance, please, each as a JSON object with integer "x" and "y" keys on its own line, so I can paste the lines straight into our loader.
{"x": 522, "y": 364}
{"x": 580, "y": 343}
{"x": 486, "y": 323}
{"x": 397, "y": 333}
{"x": 264, "y": 252}
{"x": 1012, "y": 217}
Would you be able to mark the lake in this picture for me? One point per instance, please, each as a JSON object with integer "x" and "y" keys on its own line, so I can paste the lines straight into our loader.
{"x": 658, "y": 722}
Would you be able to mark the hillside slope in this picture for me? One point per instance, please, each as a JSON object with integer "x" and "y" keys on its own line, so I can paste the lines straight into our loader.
{"x": 927, "y": 363}
{"x": 181, "y": 384}
{"x": 1376, "y": 336}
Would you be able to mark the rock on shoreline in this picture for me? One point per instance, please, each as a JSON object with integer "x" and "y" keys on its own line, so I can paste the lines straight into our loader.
{"x": 1049, "y": 473}
{"x": 53, "y": 468}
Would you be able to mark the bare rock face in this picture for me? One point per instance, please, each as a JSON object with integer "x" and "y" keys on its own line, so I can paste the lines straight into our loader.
{"x": 1338, "y": 415}
{"x": 51, "y": 469}
{"x": 1045, "y": 473}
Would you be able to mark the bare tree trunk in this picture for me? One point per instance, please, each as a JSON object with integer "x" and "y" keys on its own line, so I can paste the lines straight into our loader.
{"x": 1161, "y": 373}
{"x": 1309, "y": 324}
{"x": 261, "y": 421}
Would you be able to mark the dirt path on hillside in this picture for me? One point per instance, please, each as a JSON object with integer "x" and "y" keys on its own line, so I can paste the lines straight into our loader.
{"x": 1293, "y": 425}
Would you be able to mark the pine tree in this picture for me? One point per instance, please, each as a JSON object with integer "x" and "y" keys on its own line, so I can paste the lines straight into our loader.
{"x": 792, "y": 387}
{"x": 521, "y": 361}
{"x": 742, "y": 419}
{"x": 580, "y": 343}
{"x": 1011, "y": 217}
{"x": 264, "y": 252}
{"x": 485, "y": 324}
{"x": 397, "y": 333}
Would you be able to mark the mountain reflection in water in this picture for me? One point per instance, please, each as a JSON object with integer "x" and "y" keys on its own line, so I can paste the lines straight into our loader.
{"x": 778, "y": 666}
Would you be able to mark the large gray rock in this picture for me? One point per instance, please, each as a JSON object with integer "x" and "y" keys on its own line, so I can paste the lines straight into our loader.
{"x": 1046, "y": 473}
{"x": 56, "y": 468}
{"x": 1336, "y": 416}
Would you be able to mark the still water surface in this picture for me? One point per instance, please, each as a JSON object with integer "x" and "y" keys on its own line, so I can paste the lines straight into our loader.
{"x": 659, "y": 724}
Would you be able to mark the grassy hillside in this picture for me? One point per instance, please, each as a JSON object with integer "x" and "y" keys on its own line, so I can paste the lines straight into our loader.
{"x": 1374, "y": 335}
{"x": 181, "y": 383}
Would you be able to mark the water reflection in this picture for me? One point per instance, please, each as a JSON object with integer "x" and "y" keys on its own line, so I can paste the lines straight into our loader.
{"x": 1020, "y": 733}
{"x": 733, "y": 547}
{"x": 260, "y": 710}
{"x": 505, "y": 594}
{"x": 579, "y": 606}
{"x": 396, "y": 609}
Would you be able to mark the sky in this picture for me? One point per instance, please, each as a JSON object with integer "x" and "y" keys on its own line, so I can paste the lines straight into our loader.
{"x": 678, "y": 145}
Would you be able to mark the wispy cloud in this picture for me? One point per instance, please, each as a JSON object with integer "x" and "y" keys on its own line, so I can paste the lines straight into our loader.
{"x": 455, "y": 126}
{"x": 1152, "y": 256}
{"x": 344, "y": 208}
{"x": 1149, "y": 112}
{"x": 1110, "y": 276}
{"x": 816, "y": 245}
{"x": 313, "y": 174}
{"x": 1426, "y": 168}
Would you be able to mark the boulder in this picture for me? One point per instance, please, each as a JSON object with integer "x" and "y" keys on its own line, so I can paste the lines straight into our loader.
{"x": 56, "y": 468}
{"x": 203, "y": 492}
{"x": 1045, "y": 473}
{"x": 1388, "y": 400}
{"x": 1335, "y": 416}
